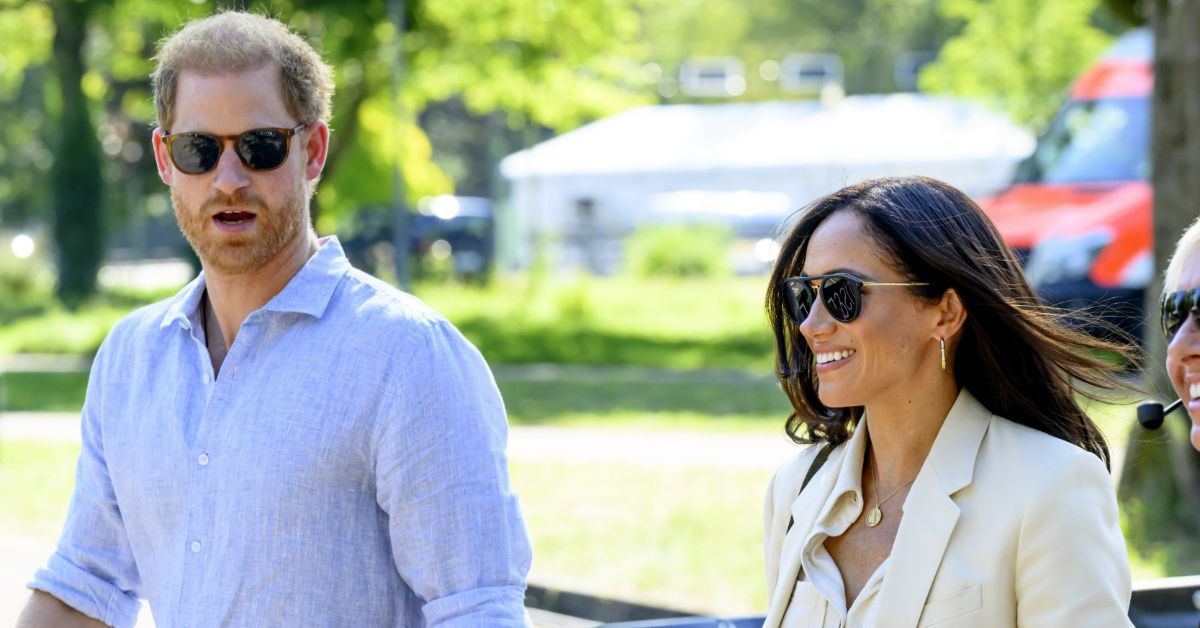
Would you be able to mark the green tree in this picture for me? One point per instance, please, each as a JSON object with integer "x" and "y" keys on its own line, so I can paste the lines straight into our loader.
{"x": 554, "y": 63}
{"x": 26, "y": 35}
{"x": 1019, "y": 55}
{"x": 1160, "y": 481}
{"x": 75, "y": 177}
{"x": 868, "y": 35}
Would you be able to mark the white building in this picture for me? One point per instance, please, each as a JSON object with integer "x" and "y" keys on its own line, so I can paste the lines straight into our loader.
{"x": 751, "y": 164}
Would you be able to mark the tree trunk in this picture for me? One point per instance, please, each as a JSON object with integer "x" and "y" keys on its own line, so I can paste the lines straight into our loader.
{"x": 1160, "y": 484}
{"x": 76, "y": 174}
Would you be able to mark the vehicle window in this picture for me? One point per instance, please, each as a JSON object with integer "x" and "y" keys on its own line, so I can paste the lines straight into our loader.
{"x": 1092, "y": 141}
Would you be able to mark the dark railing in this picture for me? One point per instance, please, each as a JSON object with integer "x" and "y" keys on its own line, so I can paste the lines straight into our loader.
{"x": 1162, "y": 603}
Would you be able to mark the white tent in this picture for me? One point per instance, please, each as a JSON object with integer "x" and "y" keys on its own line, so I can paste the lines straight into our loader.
{"x": 589, "y": 189}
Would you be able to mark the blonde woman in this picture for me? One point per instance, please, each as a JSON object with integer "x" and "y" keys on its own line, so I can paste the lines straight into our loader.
{"x": 1180, "y": 315}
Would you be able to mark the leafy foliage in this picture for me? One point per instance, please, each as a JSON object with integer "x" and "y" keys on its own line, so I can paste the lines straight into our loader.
{"x": 700, "y": 250}
{"x": 1019, "y": 55}
{"x": 551, "y": 63}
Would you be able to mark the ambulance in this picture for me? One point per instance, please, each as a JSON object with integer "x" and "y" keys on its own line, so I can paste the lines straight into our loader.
{"x": 1079, "y": 209}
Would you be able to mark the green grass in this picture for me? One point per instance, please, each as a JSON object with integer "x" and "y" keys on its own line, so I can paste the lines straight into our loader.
{"x": 683, "y": 538}
{"x": 706, "y": 404}
{"x": 42, "y": 392}
{"x": 682, "y": 324}
{"x": 659, "y": 400}
{"x": 62, "y": 332}
{"x": 36, "y": 479}
{"x": 46, "y": 327}
{"x": 687, "y": 538}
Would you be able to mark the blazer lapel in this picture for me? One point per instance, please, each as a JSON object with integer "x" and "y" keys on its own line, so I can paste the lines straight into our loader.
{"x": 930, "y": 513}
{"x": 804, "y": 514}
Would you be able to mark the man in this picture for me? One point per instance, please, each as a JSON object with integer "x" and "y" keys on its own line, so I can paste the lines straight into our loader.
{"x": 287, "y": 441}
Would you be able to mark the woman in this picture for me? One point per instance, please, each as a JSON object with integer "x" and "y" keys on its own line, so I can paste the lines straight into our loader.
{"x": 954, "y": 479}
{"x": 1181, "y": 306}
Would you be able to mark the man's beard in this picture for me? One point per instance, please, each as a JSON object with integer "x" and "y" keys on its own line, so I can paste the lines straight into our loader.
{"x": 237, "y": 253}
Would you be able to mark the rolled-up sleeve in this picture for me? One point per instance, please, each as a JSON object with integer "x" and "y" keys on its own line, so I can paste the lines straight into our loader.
{"x": 93, "y": 569}
{"x": 458, "y": 539}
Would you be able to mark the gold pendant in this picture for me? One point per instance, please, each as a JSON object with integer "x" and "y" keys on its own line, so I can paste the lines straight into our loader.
{"x": 874, "y": 517}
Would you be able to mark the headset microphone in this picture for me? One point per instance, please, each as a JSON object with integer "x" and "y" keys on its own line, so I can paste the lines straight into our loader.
{"x": 1150, "y": 415}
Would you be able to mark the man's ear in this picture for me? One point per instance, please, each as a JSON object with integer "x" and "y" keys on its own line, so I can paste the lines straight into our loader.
{"x": 165, "y": 171}
{"x": 316, "y": 149}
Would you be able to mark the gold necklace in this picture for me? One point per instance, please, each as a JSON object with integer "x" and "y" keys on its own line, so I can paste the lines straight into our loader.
{"x": 875, "y": 515}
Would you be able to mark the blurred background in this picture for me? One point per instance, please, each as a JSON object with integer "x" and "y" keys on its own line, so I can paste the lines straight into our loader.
{"x": 593, "y": 192}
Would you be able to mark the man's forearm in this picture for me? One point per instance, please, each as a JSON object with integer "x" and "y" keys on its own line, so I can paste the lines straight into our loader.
{"x": 44, "y": 610}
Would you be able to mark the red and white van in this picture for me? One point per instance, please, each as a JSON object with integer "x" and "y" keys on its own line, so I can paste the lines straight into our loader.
{"x": 1078, "y": 211}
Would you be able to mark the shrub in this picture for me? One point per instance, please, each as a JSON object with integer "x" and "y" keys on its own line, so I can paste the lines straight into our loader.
{"x": 26, "y": 287}
{"x": 699, "y": 250}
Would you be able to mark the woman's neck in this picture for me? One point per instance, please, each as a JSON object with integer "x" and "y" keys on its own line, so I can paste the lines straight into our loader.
{"x": 902, "y": 430}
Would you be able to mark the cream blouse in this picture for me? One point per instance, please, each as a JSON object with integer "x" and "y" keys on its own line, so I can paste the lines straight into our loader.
{"x": 819, "y": 600}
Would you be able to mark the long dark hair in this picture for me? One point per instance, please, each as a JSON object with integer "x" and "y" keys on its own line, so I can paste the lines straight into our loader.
{"x": 1020, "y": 359}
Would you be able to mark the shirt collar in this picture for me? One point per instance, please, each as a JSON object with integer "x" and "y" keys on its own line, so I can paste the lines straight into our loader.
{"x": 308, "y": 292}
{"x": 849, "y": 475}
{"x": 184, "y": 304}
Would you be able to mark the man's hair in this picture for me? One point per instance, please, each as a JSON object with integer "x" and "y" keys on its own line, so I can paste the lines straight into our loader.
{"x": 235, "y": 41}
{"x": 1188, "y": 244}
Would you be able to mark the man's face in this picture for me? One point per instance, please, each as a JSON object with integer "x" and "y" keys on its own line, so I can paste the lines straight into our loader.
{"x": 238, "y": 219}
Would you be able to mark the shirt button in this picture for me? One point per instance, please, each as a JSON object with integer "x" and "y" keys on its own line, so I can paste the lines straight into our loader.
{"x": 195, "y": 547}
{"x": 203, "y": 459}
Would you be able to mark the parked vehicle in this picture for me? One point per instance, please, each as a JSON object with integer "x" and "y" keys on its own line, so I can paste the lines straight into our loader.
{"x": 455, "y": 233}
{"x": 1079, "y": 209}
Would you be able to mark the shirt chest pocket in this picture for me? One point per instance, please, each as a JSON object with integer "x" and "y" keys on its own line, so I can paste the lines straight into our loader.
{"x": 957, "y": 609}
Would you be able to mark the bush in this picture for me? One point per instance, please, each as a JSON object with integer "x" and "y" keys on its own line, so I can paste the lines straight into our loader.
{"x": 700, "y": 250}
{"x": 26, "y": 286}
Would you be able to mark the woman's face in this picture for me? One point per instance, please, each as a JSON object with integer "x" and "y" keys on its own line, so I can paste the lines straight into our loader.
{"x": 875, "y": 357}
{"x": 1183, "y": 351}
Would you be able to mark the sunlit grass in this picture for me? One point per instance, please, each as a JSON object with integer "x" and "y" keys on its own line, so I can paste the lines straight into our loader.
{"x": 42, "y": 392}
{"x": 683, "y": 324}
{"x": 664, "y": 401}
{"x": 36, "y": 479}
{"x": 684, "y": 537}
{"x": 687, "y": 538}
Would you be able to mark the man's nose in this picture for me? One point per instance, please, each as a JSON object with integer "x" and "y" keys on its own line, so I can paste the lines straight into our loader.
{"x": 231, "y": 174}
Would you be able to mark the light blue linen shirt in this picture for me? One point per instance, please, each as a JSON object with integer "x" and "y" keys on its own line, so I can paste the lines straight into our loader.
{"x": 347, "y": 468}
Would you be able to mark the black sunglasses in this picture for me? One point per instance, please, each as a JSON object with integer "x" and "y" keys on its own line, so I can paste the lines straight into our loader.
{"x": 841, "y": 293}
{"x": 259, "y": 149}
{"x": 1175, "y": 308}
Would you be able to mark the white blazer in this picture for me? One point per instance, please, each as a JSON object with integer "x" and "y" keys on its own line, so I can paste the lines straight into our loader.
{"x": 1003, "y": 526}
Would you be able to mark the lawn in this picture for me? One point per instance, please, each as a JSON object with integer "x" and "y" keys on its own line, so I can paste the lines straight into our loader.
{"x": 42, "y": 392}
{"x": 681, "y": 324}
{"x": 684, "y": 538}
{"x": 44, "y": 326}
{"x": 35, "y": 484}
{"x": 646, "y": 399}
{"x": 689, "y": 355}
